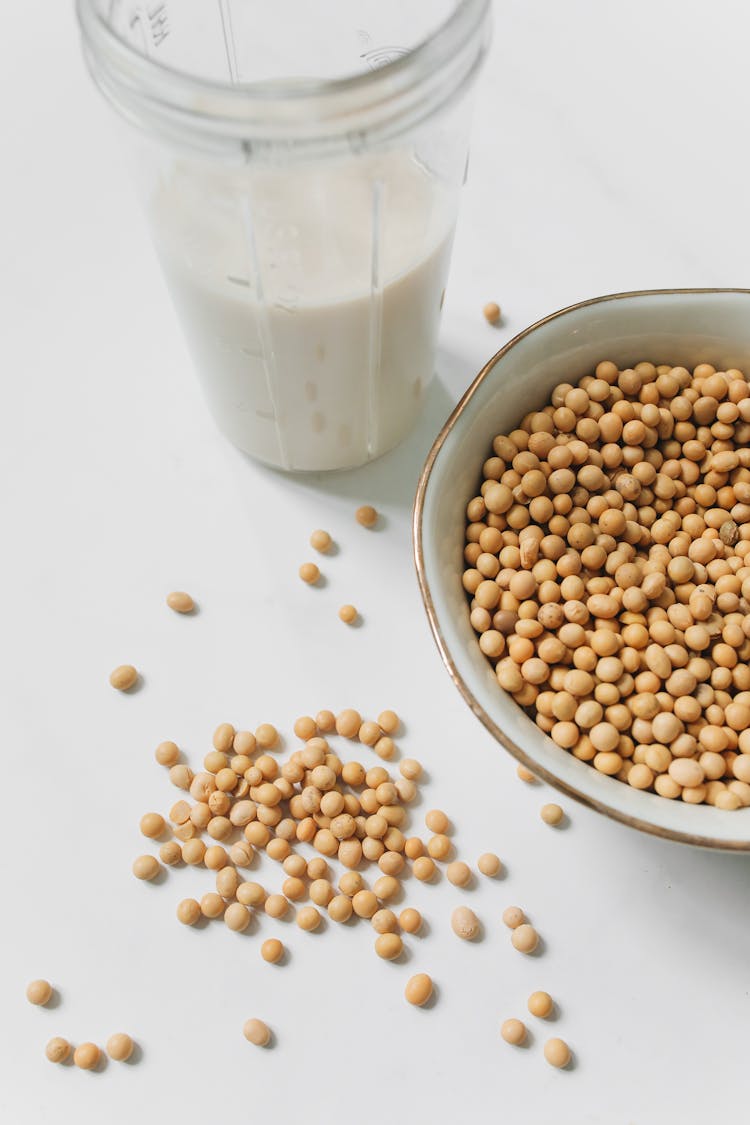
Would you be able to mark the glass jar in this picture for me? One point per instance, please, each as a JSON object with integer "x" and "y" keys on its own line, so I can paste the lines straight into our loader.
{"x": 300, "y": 167}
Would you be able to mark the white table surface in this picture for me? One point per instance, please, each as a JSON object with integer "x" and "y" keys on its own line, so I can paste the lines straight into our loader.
{"x": 610, "y": 153}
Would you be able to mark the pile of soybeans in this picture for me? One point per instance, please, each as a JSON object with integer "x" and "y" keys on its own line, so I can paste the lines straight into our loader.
{"x": 606, "y": 565}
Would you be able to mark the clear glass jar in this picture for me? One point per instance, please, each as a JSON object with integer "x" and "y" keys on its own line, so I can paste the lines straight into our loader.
{"x": 300, "y": 167}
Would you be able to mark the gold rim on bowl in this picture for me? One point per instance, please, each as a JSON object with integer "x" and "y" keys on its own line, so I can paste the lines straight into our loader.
{"x": 424, "y": 586}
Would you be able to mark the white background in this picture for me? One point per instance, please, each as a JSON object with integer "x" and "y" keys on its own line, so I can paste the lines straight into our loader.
{"x": 610, "y": 153}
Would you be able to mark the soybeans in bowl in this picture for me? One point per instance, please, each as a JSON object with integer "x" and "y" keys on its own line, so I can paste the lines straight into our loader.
{"x": 619, "y": 432}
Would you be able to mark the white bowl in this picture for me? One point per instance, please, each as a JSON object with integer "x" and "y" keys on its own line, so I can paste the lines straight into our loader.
{"x": 683, "y": 327}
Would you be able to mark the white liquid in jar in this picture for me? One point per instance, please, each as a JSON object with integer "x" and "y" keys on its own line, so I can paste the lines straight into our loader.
{"x": 310, "y": 298}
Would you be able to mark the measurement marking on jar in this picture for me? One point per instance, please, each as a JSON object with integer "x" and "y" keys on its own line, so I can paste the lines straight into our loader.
{"x": 287, "y": 300}
{"x": 153, "y": 22}
{"x": 381, "y": 56}
{"x": 230, "y": 49}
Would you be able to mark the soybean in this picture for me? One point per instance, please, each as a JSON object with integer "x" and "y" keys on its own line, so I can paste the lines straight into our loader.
{"x": 180, "y": 602}
{"x": 309, "y": 573}
{"x": 540, "y": 1004}
{"x": 58, "y": 1049}
{"x": 513, "y": 1031}
{"x": 123, "y": 677}
{"x": 389, "y": 946}
{"x": 551, "y": 814}
{"x": 188, "y": 911}
{"x": 120, "y": 1046}
{"x": 257, "y": 1032}
{"x": 489, "y": 864}
{"x": 464, "y": 923}
{"x": 321, "y": 541}
{"x": 557, "y": 1052}
{"x": 87, "y": 1056}
{"x": 524, "y": 938}
{"x": 418, "y": 989}
{"x": 366, "y": 515}
{"x": 39, "y": 992}
{"x": 410, "y": 920}
{"x": 146, "y": 867}
{"x": 272, "y": 951}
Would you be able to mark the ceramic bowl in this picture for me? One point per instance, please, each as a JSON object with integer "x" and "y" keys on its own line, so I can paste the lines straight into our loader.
{"x": 683, "y": 327}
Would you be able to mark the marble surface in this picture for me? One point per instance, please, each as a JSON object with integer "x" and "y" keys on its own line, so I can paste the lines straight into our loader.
{"x": 608, "y": 154}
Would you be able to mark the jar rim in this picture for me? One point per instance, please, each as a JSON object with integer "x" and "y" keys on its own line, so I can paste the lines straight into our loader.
{"x": 142, "y": 84}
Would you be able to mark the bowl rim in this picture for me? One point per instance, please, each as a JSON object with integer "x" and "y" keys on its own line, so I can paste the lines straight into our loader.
{"x": 488, "y": 722}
